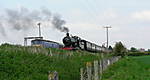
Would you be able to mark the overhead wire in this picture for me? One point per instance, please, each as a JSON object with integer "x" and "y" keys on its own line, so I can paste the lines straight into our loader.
{"x": 93, "y": 5}
{"x": 93, "y": 9}
{"x": 90, "y": 11}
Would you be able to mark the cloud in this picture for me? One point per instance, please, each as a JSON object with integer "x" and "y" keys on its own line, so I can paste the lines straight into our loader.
{"x": 142, "y": 15}
{"x": 110, "y": 14}
{"x": 88, "y": 31}
{"x": 125, "y": 28}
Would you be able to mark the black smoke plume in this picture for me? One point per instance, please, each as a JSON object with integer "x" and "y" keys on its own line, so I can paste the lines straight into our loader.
{"x": 24, "y": 19}
{"x": 58, "y": 23}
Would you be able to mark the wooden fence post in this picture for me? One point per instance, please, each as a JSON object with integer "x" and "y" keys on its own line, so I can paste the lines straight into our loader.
{"x": 100, "y": 68}
{"x": 96, "y": 76}
{"x": 53, "y": 75}
{"x": 81, "y": 74}
{"x": 89, "y": 70}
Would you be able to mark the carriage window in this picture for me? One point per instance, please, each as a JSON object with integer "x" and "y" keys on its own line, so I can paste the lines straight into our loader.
{"x": 36, "y": 42}
{"x": 82, "y": 43}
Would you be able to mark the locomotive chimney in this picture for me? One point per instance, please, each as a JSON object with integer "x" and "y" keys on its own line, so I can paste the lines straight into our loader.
{"x": 67, "y": 34}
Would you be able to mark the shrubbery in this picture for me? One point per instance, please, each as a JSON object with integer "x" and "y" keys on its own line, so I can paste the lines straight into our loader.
{"x": 119, "y": 49}
{"x": 138, "y": 53}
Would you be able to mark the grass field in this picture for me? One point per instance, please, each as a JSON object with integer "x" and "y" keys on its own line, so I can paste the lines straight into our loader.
{"x": 30, "y": 63}
{"x": 129, "y": 68}
{"x": 143, "y": 59}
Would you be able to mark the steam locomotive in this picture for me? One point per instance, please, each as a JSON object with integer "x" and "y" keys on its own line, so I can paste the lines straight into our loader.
{"x": 70, "y": 43}
{"x": 75, "y": 42}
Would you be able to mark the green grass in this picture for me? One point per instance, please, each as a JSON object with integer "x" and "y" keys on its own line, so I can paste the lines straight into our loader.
{"x": 131, "y": 68}
{"x": 31, "y": 63}
{"x": 143, "y": 59}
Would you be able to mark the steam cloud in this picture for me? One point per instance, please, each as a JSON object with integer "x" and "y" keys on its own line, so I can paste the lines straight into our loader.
{"x": 24, "y": 19}
{"x": 2, "y": 30}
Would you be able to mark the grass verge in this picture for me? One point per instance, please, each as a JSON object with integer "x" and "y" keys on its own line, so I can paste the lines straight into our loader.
{"x": 129, "y": 68}
{"x": 30, "y": 63}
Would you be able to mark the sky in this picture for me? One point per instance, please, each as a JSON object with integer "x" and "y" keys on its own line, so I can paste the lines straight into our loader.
{"x": 129, "y": 19}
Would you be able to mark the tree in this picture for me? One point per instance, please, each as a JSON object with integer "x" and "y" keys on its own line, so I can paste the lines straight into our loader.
{"x": 110, "y": 48}
{"x": 119, "y": 49}
{"x": 133, "y": 49}
{"x": 148, "y": 50}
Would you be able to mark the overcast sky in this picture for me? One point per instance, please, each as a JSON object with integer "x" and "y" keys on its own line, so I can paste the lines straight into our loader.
{"x": 129, "y": 19}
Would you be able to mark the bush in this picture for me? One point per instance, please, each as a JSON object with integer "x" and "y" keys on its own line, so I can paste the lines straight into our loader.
{"x": 119, "y": 49}
{"x": 138, "y": 53}
{"x": 133, "y": 49}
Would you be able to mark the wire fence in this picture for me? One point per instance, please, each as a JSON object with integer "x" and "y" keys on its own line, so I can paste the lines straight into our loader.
{"x": 93, "y": 70}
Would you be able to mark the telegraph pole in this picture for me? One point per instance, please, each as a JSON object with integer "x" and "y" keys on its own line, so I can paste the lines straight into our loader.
{"x": 107, "y": 27}
{"x": 39, "y": 24}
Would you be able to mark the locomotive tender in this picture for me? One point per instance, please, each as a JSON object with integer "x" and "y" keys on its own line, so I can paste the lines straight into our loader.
{"x": 75, "y": 42}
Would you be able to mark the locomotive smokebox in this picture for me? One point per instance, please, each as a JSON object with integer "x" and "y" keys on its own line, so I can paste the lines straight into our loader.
{"x": 67, "y": 40}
